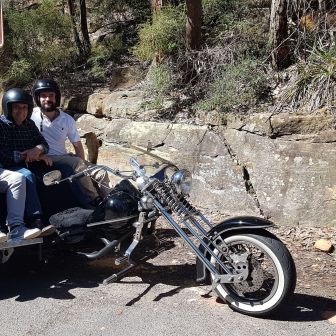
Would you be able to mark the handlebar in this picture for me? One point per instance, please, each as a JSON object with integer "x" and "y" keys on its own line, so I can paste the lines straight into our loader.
{"x": 137, "y": 171}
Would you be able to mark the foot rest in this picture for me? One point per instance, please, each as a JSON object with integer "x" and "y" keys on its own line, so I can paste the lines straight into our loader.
{"x": 122, "y": 260}
{"x": 13, "y": 243}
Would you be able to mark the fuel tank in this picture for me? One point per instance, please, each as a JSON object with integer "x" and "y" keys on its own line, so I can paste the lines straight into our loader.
{"x": 120, "y": 203}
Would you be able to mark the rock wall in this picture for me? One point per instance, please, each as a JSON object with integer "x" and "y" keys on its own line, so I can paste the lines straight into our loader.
{"x": 278, "y": 166}
{"x": 238, "y": 169}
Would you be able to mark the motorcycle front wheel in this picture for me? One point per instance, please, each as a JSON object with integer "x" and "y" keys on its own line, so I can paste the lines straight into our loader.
{"x": 271, "y": 279}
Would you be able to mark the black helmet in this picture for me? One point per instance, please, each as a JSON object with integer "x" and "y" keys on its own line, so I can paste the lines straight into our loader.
{"x": 46, "y": 85}
{"x": 16, "y": 96}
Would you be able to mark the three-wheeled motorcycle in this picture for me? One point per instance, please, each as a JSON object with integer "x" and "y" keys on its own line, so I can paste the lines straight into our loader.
{"x": 248, "y": 266}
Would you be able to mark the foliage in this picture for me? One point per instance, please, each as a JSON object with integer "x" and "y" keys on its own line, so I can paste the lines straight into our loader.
{"x": 237, "y": 87}
{"x": 310, "y": 27}
{"x": 19, "y": 72}
{"x": 160, "y": 80}
{"x": 38, "y": 40}
{"x": 243, "y": 29}
{"x": 163, "y": 36}
{"x": 138, "y": 10}
{"x": 214, "y": 9}
{"x": 102, "y": 52}
{"x": 314, "y": 85}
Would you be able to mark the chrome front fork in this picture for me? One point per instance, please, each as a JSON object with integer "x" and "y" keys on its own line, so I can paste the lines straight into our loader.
{"x": 228, "y": 276}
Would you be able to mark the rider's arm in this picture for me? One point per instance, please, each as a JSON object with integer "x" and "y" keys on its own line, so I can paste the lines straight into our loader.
{"x": 38, "y": 139}
{"x": 79, "y": 150}
{"x": 38, "y": 145}
{"x": 74, "y": 137}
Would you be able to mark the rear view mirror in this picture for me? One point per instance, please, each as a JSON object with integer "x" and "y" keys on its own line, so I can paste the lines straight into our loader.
{"x": 52, "y": 177}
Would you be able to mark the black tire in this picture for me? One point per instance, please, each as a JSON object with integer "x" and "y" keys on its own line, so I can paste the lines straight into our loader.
{"x": 266, "y": 299}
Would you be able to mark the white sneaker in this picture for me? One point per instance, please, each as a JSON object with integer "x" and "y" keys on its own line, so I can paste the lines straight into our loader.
{"x": 3, "y": 237}
{"x": 21, "y": 232}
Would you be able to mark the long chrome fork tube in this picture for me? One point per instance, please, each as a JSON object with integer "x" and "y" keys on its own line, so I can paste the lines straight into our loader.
{"x": 189, "y": 220}
{"x": 199, "y": 254}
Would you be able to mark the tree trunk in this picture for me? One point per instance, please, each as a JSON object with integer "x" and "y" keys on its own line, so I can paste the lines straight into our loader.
{"x": 1, "y": 26}
{"x": 280, "y": 56}
{"x": 194, "y": 24}
{"x": 72, "y": 13}
{"x": 84, "y": 28}
{"x": 157, "y": 5}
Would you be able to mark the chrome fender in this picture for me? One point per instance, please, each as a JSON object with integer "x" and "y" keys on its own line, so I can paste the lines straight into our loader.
{"x": 230, "y": 225}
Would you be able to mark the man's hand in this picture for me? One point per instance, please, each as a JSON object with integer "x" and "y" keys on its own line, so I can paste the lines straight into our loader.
{"x": 32, "y": 154}
{"x": 46, "y": 159}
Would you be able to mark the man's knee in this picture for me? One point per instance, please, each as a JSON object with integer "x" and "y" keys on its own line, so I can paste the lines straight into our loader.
{"x": 75, "y": 162}
{"x": 26, "y": 173}
{"x": 16, "y": 177}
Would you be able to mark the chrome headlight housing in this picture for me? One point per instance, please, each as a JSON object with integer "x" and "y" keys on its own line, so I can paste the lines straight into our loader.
{"x": 182, "y": 181}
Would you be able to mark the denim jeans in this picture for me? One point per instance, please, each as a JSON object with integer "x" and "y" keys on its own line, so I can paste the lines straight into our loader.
{"x": 83, "y": 188}
{"x": 13, "y": 184}
{"x": 33, "y": 206}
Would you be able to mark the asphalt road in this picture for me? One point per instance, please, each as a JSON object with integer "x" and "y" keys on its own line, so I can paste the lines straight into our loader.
{"x": 158, "y": 298}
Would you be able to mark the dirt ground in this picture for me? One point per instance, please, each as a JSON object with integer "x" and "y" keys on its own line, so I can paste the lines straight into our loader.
{"x": 316, "y": 270}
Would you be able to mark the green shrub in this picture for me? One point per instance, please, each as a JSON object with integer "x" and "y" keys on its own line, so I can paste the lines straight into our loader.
{"x": 214, "y": 9}
{"x": 314, "y": 85}
{"x": 39, "y": 37}
{"x": 163, "y": 36}
{"x": 237, "y": 87}
{"x": 20, "y": 72}
{"x": 110, "y": 48}
{"x": 160, "y": 80}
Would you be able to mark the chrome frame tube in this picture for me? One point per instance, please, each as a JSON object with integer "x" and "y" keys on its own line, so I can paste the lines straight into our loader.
{"x": 87, "y": 170}
{"x": 110, "y": 221}
{"x": 199, "y": 226}
{"x": 205, "y": 261}
{"x": 193, "y": 232}
{"x": 205, "y": 220}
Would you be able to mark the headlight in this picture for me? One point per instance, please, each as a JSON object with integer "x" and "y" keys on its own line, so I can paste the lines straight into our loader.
{"x": 182, "y": 181}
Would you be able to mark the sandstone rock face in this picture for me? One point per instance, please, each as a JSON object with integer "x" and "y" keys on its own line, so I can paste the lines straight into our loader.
{"x": 238, "y": 169}
{"x": 295, "y": 182}
{"x": 118, "y": 104}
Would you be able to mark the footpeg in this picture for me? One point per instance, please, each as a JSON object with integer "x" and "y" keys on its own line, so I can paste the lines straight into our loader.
{"x": 121, "y": 260}
{"x": 117, "y": 276}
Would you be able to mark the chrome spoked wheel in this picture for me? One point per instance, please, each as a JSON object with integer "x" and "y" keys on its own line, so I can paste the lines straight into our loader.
{"x": 270, "y": 279}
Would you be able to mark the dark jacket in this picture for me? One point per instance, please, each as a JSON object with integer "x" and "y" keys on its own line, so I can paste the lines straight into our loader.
{"x": 18, "y": 138}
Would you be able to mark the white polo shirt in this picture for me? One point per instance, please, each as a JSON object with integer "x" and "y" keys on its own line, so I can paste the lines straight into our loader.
{"x": 56, "y": 132}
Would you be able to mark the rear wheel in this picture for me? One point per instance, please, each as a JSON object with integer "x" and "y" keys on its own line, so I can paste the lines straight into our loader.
{"x": 271, "y": 278}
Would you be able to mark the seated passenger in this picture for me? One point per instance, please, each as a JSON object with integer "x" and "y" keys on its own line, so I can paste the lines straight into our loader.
{"x": 13, "y": 184}
{"x": 23, "y": 149}
{"x": 56, "y": 127}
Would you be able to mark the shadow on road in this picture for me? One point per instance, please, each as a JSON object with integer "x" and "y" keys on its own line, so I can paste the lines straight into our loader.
{"x": 26, "y": 282}
{"x": 305, "y": 307}
{"x": 180, "y": 276}
{"x": 23, "y": 279}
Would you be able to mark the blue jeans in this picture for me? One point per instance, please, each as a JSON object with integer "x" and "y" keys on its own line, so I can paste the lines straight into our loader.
{"x": 33, "y": 207}
{"x": 83, "y": 189}
{"x": 14, "y": 186}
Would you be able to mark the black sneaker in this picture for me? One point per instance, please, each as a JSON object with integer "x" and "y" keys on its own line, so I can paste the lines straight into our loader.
{"x": 46, "y": 230}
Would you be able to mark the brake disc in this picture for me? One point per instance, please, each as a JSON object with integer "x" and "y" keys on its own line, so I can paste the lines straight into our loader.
{"x": 255, "y": 279}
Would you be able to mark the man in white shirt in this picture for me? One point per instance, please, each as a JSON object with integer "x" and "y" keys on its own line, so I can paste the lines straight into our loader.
{"x": 56, "y": 126}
